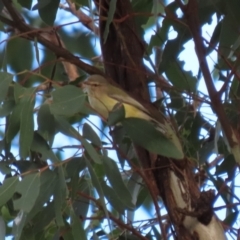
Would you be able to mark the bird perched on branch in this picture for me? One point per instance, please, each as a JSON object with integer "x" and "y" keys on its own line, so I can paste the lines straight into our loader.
{"x": 103, "y": 97}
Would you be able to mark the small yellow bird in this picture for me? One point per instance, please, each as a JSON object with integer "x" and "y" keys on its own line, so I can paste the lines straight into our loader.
{"x": 103, "y": 96}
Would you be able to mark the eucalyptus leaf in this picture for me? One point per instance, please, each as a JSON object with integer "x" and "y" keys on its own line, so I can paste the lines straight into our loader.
{"x": 91, "y": 135}
{"x": 67, "y": 101}
{"x": 146, "y": 135}
{"x": 48, "y": 10}
{"x": 8, "y": 189}
{"x": 5, "y": 81}
{"x": 116, "y": 181}
{"x": 29, "y": 189}
{"x": 111, "y": 11}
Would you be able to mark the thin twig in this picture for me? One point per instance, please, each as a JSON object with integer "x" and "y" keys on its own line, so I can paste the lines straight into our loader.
{"x": 83, "y": 18}
{"x": 191, "y": 14}
{"x": 33, "y": 34}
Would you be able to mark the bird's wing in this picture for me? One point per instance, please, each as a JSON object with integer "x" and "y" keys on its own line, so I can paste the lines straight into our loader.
{"x": 123, "y": 97}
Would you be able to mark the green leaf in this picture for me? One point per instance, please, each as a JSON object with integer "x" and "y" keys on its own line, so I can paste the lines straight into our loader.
{"x": 94, "y": 178}
{"x": 91, "y": 135}
{"x": 49, "y": 181}
{"x": 146, "y": 135}
{"x": 181, "y": 79}
{"x": 6, "y": 108}
{"x": 8, "y": 189}
{"x": 215, "y": 38}
{"x": 80, "y": 204}
{"x": 170, "y": 53}
{"x": 18, "y": 224}
{"x": 4, "y": 166}
{"x": 66, "y": 128}
{"x": 5, "y": 81}
{"x": 83, "y": 2}
{"x": 67, "y": 101}
{"x": 26, "y": 122}
{"x": 46, "y": 123}
{"x": 40, "y": 4}
{"x": 143, "y": 194}
{"x": 2, "y": 228}
{"x": 14, "y": 123}
{"x": 29, "y": 190}
{"x": 113, "y": 198}
{"x": 111, "y": 11}
{"x": 227, "y": 166}
{"x": 39, "y": 145}
{"x": 142, "y": 6}
{"x": 96, "y": 183}
{"x": 18, "y": 92}
{"x": 58, "y": 202}
{"x": 43, "y": 218}
{"x": 116, "y": 115}
{"x": 74, "y": 166}
{"x": 49, "y": 11}
{"x": 77, "y": 227}
{"x": 231, "y": 218}
{"x": 25, "y": 3}
{"x": 115, "y": 179}
{"x": 228, "y": 36}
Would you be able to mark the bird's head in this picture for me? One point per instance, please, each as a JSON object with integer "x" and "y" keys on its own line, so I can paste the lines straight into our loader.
{"x": 94, "y": 82}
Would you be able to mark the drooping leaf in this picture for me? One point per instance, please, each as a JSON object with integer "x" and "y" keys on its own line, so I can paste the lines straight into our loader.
{"x": 39, "y": 145}
{"x": 231, "y": 218}
{"x": 5, "y": 81}
{"x": 66, "y": 128}
{"x": 29, "y": 189}
{"x": 8, "y": 189}
{"x": 49, "y": 181}
{"x": 48, "y": 10}
{"x": 83, "y": 2}
{"x": 58, "y": 202}
{"x": 40, "y": 4}
{"x": 74, "y": 166}
{"x": 181, "y": 79}
{"x": 25, "y": 3}
{"x": 91, "y": 135}
{"x": 46, "y": 123}
{"x": 14, "y": 122}
{"x": 111, "y": 11}
{"x": 77, "y": 227}
{"x": 67, "y": 101}
{"x": 18, "y": 224}
{"x": 113, "y": 198}
{"x": 2, "y": 228}
{"x": 117, "y": 114}
{"x": 6, "y": 108}
{"x": 43, "y": 218}
{"x": 116, "y": 181}
{"x": 26, "y": 122}
{"x": 97, "y": 184}
{"x": 142, "y": 7}
{"x": 80, "y": 203}
{"x": 146, "y": 135}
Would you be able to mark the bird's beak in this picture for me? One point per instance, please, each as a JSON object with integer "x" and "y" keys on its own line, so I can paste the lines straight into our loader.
{"x": 84, "y": 86}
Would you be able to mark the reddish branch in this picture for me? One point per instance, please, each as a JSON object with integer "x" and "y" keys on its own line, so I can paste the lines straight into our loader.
{"x": 119, "y": 223}
{"x": 191, "y": 14}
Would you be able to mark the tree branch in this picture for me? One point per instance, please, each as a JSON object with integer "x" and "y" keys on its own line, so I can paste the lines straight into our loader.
{"x": 38, "y": 34}
{"x": 191, "y": 14}
{"x": 83, "y": 18}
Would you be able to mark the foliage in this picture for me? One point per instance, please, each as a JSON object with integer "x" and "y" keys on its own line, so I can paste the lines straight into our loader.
{"x": 60, "y": 174}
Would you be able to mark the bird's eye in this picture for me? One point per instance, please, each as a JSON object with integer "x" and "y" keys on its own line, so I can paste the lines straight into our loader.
{"x": 95, "y": 85}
